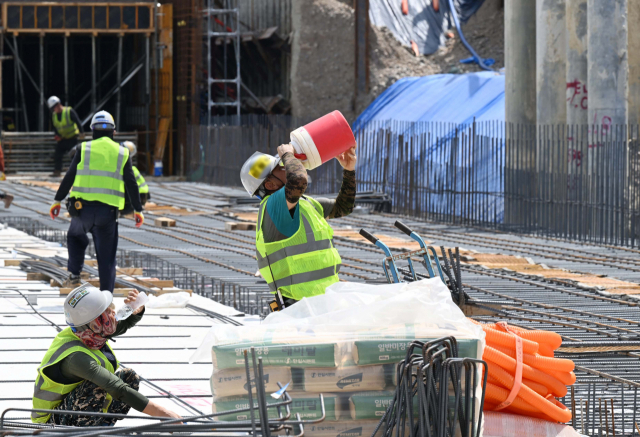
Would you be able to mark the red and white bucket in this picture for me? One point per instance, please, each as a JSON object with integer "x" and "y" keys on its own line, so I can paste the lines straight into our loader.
{"x": 322, "y": 139}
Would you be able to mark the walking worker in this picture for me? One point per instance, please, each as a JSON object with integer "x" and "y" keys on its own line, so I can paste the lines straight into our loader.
{"x": 294, "y": 242}
{"x": 99, "y": 174}
{"x": 67, "y": 127}
{"x": 80, "y": 372}
{"x": 142, "y": 184}
{"x": 5, "y": 197}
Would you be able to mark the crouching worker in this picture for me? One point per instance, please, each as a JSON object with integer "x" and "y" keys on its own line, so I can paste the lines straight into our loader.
{"x": 79, "y": 371}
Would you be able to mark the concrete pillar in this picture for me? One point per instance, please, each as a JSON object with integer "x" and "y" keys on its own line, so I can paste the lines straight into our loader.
{"x": 520, "y": 61}
{"x": 633, "y": 15}
{"x": 551, "y": 108}
{"x": 608, "y": 63}
{"x": 577, "y": 97}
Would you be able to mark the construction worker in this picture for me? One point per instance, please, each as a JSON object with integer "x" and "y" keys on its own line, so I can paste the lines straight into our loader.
{"x": 5, "y": 197}
{"x": 67, "y": 127}
{"x": 78, "y": 372}
{"x": 98, "y": 174}
{"x": 142, "y": 184}
{"x": 294, "y": 243}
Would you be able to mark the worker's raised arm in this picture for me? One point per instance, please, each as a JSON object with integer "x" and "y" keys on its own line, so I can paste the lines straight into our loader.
{"x": 296, "y": 175}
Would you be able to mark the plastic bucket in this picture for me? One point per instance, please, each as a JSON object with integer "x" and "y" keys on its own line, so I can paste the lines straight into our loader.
{"x": 322, "y": 139}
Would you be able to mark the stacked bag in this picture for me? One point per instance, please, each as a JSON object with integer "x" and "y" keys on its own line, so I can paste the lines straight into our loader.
{"x": 543, "y": 378}
{"x": 344, "y": 344}
{"x": 356, "y": 376}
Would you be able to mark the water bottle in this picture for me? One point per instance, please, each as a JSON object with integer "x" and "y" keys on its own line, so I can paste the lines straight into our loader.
{"x": 129, "y": 308}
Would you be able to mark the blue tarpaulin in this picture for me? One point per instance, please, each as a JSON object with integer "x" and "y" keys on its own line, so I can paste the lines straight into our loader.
{"x": 451, "y": 98}
{"x": 432, "y": 118}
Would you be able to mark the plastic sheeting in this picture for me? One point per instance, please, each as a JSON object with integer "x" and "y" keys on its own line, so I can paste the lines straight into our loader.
{"x": 451, "y": 98}
{"x": 423, "y": 24}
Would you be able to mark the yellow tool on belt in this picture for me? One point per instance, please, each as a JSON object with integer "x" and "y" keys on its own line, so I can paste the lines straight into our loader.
{"x": 78, "y": 205}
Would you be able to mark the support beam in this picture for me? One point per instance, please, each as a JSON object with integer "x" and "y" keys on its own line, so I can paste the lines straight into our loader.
{"x": 634, "y": 66}
{"x": 576, "y": 89}
{"x": 147, "y": 98}
{"x": 19, "y": 68}
{"x": 520, "y": 61}
{"x": 93, "y": 73}
{"x": 119, "y": 78}
{"x": 551, "y": 75}
{"x": 66, "y": 69}
{"x": 42, "y": 104}
{"x": 608, "y": 64}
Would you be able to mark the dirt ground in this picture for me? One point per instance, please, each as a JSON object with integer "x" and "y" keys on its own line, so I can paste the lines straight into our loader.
{"x": 323, "y": 67}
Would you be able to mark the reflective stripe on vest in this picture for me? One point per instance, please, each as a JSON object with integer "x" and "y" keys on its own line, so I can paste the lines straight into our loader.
{"x": 142, "y": 184}
{"x": 304, "y": 264}
{"x": 99, "y": 176}
{"x": 65, "y": 127}
{"x": 48, "y": 394}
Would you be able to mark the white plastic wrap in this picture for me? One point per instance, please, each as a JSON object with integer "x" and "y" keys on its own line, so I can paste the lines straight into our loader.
{"x": 509, "y": 425}
{"x": 169, "y": 300}
{"x": 344, "y": 344}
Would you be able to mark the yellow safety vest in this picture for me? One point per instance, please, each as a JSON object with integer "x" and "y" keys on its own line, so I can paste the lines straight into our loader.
{"x": 100, "y": 172}
{"x": 65, "y": 127}
{"x": 305, "y": 264}
{"x": 48, "y": 394}
{"x": 142, "y": 184}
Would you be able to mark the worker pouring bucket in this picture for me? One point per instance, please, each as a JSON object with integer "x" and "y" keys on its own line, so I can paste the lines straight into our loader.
{"x": 322, "y": 140}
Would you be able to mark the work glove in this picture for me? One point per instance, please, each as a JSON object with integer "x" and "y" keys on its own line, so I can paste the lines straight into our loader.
{"x": 54, "y": 210}
{"x": 139, "y": 217}
{"x": 3, "y": 177}
{"x": 57, "y": 137}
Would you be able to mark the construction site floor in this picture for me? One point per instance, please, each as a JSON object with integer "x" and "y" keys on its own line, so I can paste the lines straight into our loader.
{"x": 585, "y": 292}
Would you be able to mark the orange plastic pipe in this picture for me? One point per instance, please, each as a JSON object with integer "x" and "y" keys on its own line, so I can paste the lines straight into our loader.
{"x": 538, "y": 388}
{"x": 498, "y": 358}
{"x": 540, "y": 362}
{"x": 567, "y": 378}
{"x": 505, "y": 339}
{"x": 529, "y": 396}
{"x": 549, "y": 338}
{"x": 405, "y": 7}
{"x": 545, "y": 350}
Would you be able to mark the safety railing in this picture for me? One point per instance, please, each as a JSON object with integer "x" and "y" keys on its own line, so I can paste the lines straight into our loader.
{"x": 573, "y": 182}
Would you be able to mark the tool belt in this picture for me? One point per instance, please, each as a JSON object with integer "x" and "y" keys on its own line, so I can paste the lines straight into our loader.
{"x": 74, "y": 206}
{"x": 280, "y": 303}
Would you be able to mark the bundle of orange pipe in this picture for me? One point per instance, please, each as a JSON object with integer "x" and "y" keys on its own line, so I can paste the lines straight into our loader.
{"x": 543, "y": 377}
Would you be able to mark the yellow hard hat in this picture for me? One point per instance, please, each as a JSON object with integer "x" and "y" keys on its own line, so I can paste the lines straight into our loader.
{"x": 256, "y": 169}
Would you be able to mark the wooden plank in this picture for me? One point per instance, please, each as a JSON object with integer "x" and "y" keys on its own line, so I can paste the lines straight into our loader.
{"x": 130, "y": 271}
{"x": 158, "y": 283}
{"x": 12, "y": 262}
{"x": 37, "y": 277}
{"x": 239, "y": 226}
{"x": 120, "y": 292}
{"x": 163, "y": 222}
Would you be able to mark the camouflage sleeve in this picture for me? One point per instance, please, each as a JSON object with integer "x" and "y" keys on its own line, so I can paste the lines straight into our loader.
{"x": 346, "y": 199}
{"x": 296, "y": 178}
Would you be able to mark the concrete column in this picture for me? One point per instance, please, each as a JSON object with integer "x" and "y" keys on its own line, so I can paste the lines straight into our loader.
{"x": 633, "y": 15}
{"x": 551, "y": 61}
{"x": 577, "y": 98}
{"x": 520, "y": 61}
{"x": 608, "y": 63}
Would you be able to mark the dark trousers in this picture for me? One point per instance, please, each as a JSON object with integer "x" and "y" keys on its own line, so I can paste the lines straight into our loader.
{"x": 102, "y": 221}
{"x": 62, "y": 147}
{"x": 91, "y": 398}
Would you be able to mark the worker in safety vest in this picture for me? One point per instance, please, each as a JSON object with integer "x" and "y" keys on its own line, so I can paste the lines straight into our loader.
{"x": 5, "y": 197}
{"x": 67, "y": 127}
{"x": 294, "y": 245}
{"x": 98, "y": 175}
{"x": 80, "y": 372}
{"x": 142, "y": 184}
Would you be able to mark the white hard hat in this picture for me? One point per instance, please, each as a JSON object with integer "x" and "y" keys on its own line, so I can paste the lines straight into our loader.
{"x": 256, "y": 169}
{"x": 102, "y": 120}
{"x": 85, "y": 304}
{"x": 52, "y": 101}
{"x": 132, "y": 148}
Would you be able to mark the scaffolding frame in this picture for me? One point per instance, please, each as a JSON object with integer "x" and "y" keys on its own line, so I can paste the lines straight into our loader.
{"x": 229, "y": 13}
